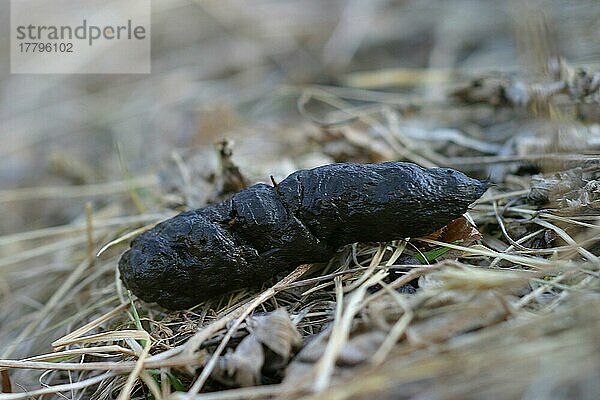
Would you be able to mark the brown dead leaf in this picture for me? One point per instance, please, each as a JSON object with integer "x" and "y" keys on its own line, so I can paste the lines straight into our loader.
{"x": 243, "y": 366}
{"x": 268, "y": 348}
{"x": 276, "y": 331}
{"x": 548, "y": 189}
{"x": 461, "y": 231}
{"x": 575, "y": 191}
{"x": 6, "y": 385}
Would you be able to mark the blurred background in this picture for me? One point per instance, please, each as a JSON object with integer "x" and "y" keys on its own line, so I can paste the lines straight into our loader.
{"x": 87, "y": 159}
{"x": 235, "y": 68}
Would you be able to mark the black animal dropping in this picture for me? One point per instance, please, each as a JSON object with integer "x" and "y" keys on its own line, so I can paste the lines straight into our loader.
{"x": 264, "y": 230}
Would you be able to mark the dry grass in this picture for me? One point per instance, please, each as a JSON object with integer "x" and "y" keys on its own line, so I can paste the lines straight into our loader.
{"x": 512, "y": 315}
{"x": 496, "y": 319}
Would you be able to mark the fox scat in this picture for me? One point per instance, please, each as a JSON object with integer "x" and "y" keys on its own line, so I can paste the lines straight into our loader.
{"x": 264, "y": 230}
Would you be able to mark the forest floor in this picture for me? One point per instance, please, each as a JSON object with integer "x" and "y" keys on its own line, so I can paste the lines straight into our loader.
{"x": 502, "y": 303}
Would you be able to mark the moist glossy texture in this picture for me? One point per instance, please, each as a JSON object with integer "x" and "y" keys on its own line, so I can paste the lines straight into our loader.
{"x": 264, "y": 230}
